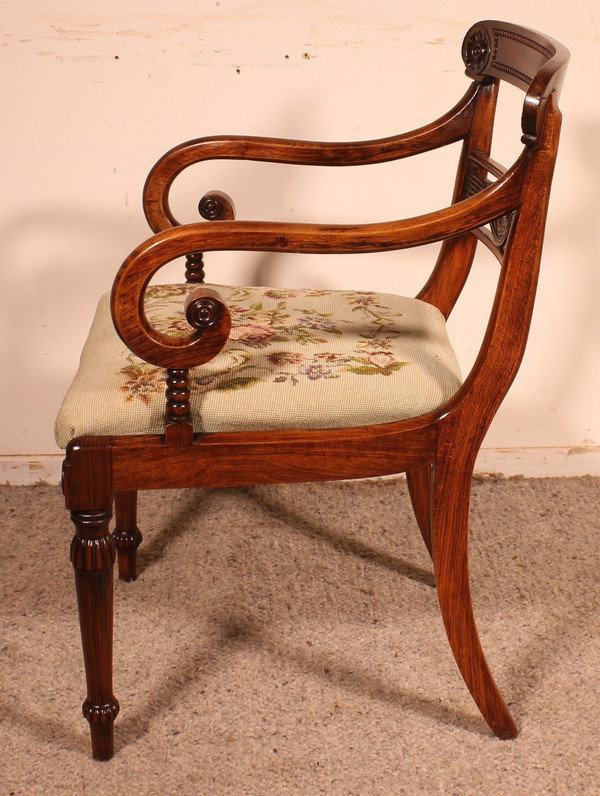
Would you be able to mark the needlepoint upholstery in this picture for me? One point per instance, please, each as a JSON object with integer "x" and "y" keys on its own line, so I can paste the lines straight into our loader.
{"x": 294, "y": 359}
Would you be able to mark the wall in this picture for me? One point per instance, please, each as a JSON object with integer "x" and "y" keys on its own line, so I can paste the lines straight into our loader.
{"x": 91, "y": 100}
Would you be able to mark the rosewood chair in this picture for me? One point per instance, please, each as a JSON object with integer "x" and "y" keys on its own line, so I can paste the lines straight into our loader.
{"x": 196, "y": 386}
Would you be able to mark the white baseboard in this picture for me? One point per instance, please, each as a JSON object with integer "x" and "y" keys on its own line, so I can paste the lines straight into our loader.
{"x": 34, "y": 469}
{"x": 529, "y": 462}
{"x": 540, "y": 462}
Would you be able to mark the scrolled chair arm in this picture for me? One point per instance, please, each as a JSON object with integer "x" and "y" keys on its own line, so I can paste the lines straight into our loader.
{"x": 208, "y": 312}
{"x": 205, "y": 311}
{"x": 449, "y": 128}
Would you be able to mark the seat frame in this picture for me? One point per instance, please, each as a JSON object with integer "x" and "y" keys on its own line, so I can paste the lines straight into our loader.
{"x": 437, "y": 451}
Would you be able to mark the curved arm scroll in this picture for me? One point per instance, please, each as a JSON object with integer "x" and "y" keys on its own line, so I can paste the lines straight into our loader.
{"x": 205, "y": 311}
{"x": 129, "y": 287}
{"x": 448, "y": 129}
{"x": 216, "y": 206}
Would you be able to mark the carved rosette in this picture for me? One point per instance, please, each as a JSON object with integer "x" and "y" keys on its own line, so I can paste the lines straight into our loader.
{"x": 100, "y": 714}
{"x": 204, "y": 312}
{"x": 476, "y": 51}
{"x": 210, "y": 207}
{"x": 216, "y": 205}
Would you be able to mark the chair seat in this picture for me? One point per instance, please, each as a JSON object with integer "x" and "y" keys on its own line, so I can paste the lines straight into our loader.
{"x": 294, "y": 359}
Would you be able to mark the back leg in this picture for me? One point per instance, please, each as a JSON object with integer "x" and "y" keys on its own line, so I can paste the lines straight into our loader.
{"x": 451, "y": 494}
{"x": 127, "y": 535}
{"x": 419, "y": 488}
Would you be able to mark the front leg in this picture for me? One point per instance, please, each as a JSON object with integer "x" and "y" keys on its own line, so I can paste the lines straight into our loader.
{"x": 93, "y": 556}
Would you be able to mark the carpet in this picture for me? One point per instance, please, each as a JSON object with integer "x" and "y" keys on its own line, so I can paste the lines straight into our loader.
{"x": 286, "y": 640}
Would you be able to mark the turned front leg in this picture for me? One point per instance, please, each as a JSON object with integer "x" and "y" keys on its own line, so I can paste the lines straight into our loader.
{"x": 93, "y": 556}
{"x": 126, "y": 534}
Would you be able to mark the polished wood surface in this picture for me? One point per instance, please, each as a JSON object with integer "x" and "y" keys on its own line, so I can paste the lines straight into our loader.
{"x": 503, "y": 208}
{"x": 203, "y": 342}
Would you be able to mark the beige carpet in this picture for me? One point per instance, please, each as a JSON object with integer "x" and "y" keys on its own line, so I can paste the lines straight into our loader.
{"x": 286, "y": 640}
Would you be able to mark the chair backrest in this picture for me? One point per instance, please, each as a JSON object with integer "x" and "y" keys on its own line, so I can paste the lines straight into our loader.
{"x": 492, "y": 52}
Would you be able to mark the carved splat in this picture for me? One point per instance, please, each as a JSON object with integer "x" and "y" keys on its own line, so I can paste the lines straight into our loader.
{"x": 499, "y": 228}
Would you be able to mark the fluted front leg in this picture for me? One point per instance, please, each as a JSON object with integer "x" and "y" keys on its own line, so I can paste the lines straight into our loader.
{"x": 126, "y": 534}
{"x": 93, "y": 556}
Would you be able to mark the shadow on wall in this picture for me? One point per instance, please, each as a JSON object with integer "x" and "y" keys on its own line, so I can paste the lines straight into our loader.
{"x": 61, "y": 260}
{"x": 58, "y": 260}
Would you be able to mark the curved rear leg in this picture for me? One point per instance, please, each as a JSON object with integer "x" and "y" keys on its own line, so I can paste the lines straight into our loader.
{"x": 419, "y": 488}
{"x": 451, "y": 493}
{"x": 127, "y": 535}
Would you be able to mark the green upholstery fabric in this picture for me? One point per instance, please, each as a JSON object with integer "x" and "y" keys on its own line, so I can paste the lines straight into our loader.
{"x": 295, "y": 359}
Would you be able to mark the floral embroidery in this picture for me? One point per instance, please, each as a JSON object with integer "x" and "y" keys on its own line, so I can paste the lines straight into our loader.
{"x": 324, "y": 366}
{"x": 251, "y": 334}
{"x": 285, "y": 358}
{"x": 267, "y": 330}
{"x": 377, "y": 363}
{"x": 143, "y": 382}
{"x": 280, "y": 294}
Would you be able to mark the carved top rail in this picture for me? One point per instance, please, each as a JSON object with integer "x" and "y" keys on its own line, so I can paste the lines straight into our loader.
{"x": 527, "y": 59}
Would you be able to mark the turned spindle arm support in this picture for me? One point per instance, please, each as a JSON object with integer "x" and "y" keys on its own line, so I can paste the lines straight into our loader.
{"x": 210, "y": 322}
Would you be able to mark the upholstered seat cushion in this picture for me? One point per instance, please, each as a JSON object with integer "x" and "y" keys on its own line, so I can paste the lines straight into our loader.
{"x": 294, "y": 359}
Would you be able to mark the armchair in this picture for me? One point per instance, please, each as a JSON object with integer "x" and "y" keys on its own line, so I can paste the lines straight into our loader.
{"x": 195, "y": 385}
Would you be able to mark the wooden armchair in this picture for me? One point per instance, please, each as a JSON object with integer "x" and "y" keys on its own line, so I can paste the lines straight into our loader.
{"x": 203, "y": 387}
